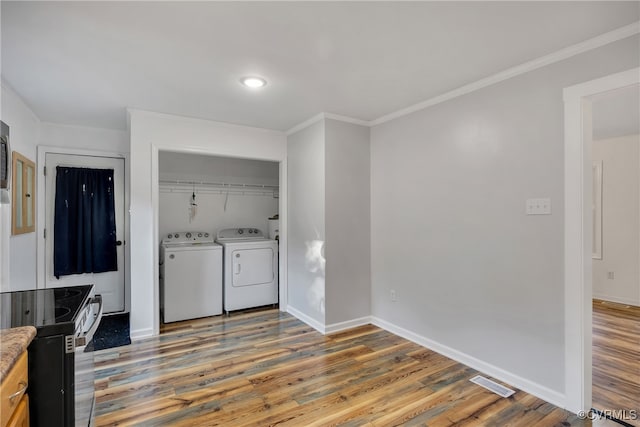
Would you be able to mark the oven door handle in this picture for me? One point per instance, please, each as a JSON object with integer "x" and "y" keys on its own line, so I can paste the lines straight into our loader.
{"x": 84, "y": 339}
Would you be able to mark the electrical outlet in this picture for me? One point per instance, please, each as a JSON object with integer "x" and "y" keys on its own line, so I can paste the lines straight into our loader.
{"x": 610, "y": 275}
{"x": 392, "y": 295}
{"x": 538, "y": 206}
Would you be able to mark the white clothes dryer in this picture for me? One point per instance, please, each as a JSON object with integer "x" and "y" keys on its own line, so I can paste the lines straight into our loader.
{"x": 190, "y": 276}
{"x": 250, "y": 268}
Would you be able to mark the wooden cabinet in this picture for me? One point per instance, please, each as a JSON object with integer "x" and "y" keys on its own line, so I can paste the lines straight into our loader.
{"x": 14, "y": 410}
{"x": 20, "y": 416}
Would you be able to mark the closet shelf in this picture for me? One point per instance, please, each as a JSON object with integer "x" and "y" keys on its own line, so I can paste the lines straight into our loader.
{"x": 204, "y": 187}
{"x": 228, "y": 185}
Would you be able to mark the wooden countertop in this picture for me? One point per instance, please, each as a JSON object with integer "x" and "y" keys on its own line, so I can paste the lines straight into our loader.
{"x": 12, "y": 343}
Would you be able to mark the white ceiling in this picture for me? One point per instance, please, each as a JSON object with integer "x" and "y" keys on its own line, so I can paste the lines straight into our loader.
{"x": 84, "y": 62}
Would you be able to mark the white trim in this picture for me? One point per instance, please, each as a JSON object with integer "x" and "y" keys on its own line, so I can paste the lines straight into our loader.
{"x": 323, "y": 116}
{"x": 528, "y": 386}
{"x": 347, "y": 324}
{"x": 577, "y": 234}
{"x": 140, "y": 334}
{"x": 305, "y": 124}
{"x": 346, "y": 119}
{"x": 283, "y": 252}
{"x": 617, "y": 300}
{"x": 155, "y": 206}
{"x": 318, "y": 326}
{"x": 560, "y": 55}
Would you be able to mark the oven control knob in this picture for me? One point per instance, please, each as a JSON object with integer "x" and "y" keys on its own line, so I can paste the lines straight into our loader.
{"x": 251, "y": 231}
{"x": 199, "y": 234}
{"x": 188, "y": 235}
{"x": 169, "y": 236}
{"x": 176, "y": 235}
{"x": 240, "y": 231}
{"x": 206, "y": 234}
{"x": 255, "y": 230}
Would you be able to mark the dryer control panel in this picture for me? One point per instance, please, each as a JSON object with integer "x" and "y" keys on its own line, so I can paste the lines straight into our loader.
{"x": 185, "y": 237}
{"x": 241, "y": 233}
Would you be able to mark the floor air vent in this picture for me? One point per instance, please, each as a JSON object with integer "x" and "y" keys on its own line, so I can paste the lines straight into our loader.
{"x": 492, "y": 385}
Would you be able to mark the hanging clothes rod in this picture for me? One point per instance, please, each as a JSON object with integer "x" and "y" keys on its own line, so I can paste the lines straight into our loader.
{"x": 219, "y": 184}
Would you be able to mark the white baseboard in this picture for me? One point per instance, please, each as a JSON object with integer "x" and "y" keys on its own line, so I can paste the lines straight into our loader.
{"x": 551, "y": 396}
{"x": 306, "y": 319}
{"x": 627, "y": 301}
{"x": 139, "y": 334}
{"x": 348, "y": 324}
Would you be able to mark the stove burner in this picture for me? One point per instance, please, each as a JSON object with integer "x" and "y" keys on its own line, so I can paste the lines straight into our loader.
{"x": 62, "y": 311}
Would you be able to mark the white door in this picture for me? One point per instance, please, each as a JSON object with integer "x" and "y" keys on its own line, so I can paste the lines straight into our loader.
{"x": 111, "y": 284}
{"x": 252, "y": 266}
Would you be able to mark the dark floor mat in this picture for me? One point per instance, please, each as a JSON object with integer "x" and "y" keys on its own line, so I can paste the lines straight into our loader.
{"x": 112, "y": 332}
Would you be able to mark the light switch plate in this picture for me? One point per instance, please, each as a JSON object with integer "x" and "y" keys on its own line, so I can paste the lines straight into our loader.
{"x": 538, "y": 206}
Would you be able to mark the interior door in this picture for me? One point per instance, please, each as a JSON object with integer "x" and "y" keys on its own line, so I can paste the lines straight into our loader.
{"x": 252, "y": 266}
{"x": 111, "y": 284}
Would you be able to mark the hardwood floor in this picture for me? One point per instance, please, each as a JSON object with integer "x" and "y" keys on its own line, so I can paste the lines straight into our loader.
{"x": 616, "y": 357}
{"x": 267, "y": 368}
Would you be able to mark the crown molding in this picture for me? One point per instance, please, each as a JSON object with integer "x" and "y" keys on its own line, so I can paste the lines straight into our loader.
{"x": 323, "y": 116}
{"x": 304, "y": 124}
{"x": 346, "y": 119}
{"x": 560, "y": 55}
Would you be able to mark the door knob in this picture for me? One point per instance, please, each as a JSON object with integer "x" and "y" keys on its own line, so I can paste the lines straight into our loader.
{"x": 118, "y": 242}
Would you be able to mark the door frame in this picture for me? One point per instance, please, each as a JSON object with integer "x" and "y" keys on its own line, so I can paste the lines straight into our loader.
{"x": 578, "y": 234}
{"x": 155, "y": 202}
{"x": 43, "y": 150}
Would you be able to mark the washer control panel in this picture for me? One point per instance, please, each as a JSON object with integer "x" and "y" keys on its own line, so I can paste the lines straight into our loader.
{"x": 184, "y": 237}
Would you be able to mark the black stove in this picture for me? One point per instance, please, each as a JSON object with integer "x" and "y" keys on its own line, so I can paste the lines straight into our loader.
{"x": 61, "y": 377}
{"x": 52, "y": 311}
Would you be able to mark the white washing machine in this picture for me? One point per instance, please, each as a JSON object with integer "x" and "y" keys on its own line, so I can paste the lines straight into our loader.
{"x": 190, "y": 276}
{"x": 250, "y": 268}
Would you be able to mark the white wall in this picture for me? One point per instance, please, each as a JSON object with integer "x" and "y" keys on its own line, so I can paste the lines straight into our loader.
{"x": 329, "y": 224}
{"x": 226, "y": 169}
{"x": 85, "y": 138}
{"x": 620, "y": 220}
{"x": 17, "y": 253}
{"x": 248, "y": 210}
{"x": 348, "y": 226}
{"x": 306, "y": 224}
{"x": 474, "y": 276}
{"x": 151, "y": 132}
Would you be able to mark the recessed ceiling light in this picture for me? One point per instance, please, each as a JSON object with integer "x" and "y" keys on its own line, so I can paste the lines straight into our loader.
{"x": 253, "y": 82}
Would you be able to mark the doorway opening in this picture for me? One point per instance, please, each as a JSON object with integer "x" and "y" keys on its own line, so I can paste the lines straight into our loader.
{"x": 616, "y": 251}
{"x": 112, "y": 282}
{"x": 579, "y": 234}
{"x": 199, "y": 196}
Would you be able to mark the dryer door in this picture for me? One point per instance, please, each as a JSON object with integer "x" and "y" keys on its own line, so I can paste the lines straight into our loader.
{"x": 253, "y": 266}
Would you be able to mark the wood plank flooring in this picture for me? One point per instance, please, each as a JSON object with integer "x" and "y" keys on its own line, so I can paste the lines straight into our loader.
{"x": 616, "y": 357}
{"x": 267, "y": 368}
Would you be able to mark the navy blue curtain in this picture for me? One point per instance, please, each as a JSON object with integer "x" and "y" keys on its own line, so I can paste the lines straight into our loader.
{"x": 84, "y": 239}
